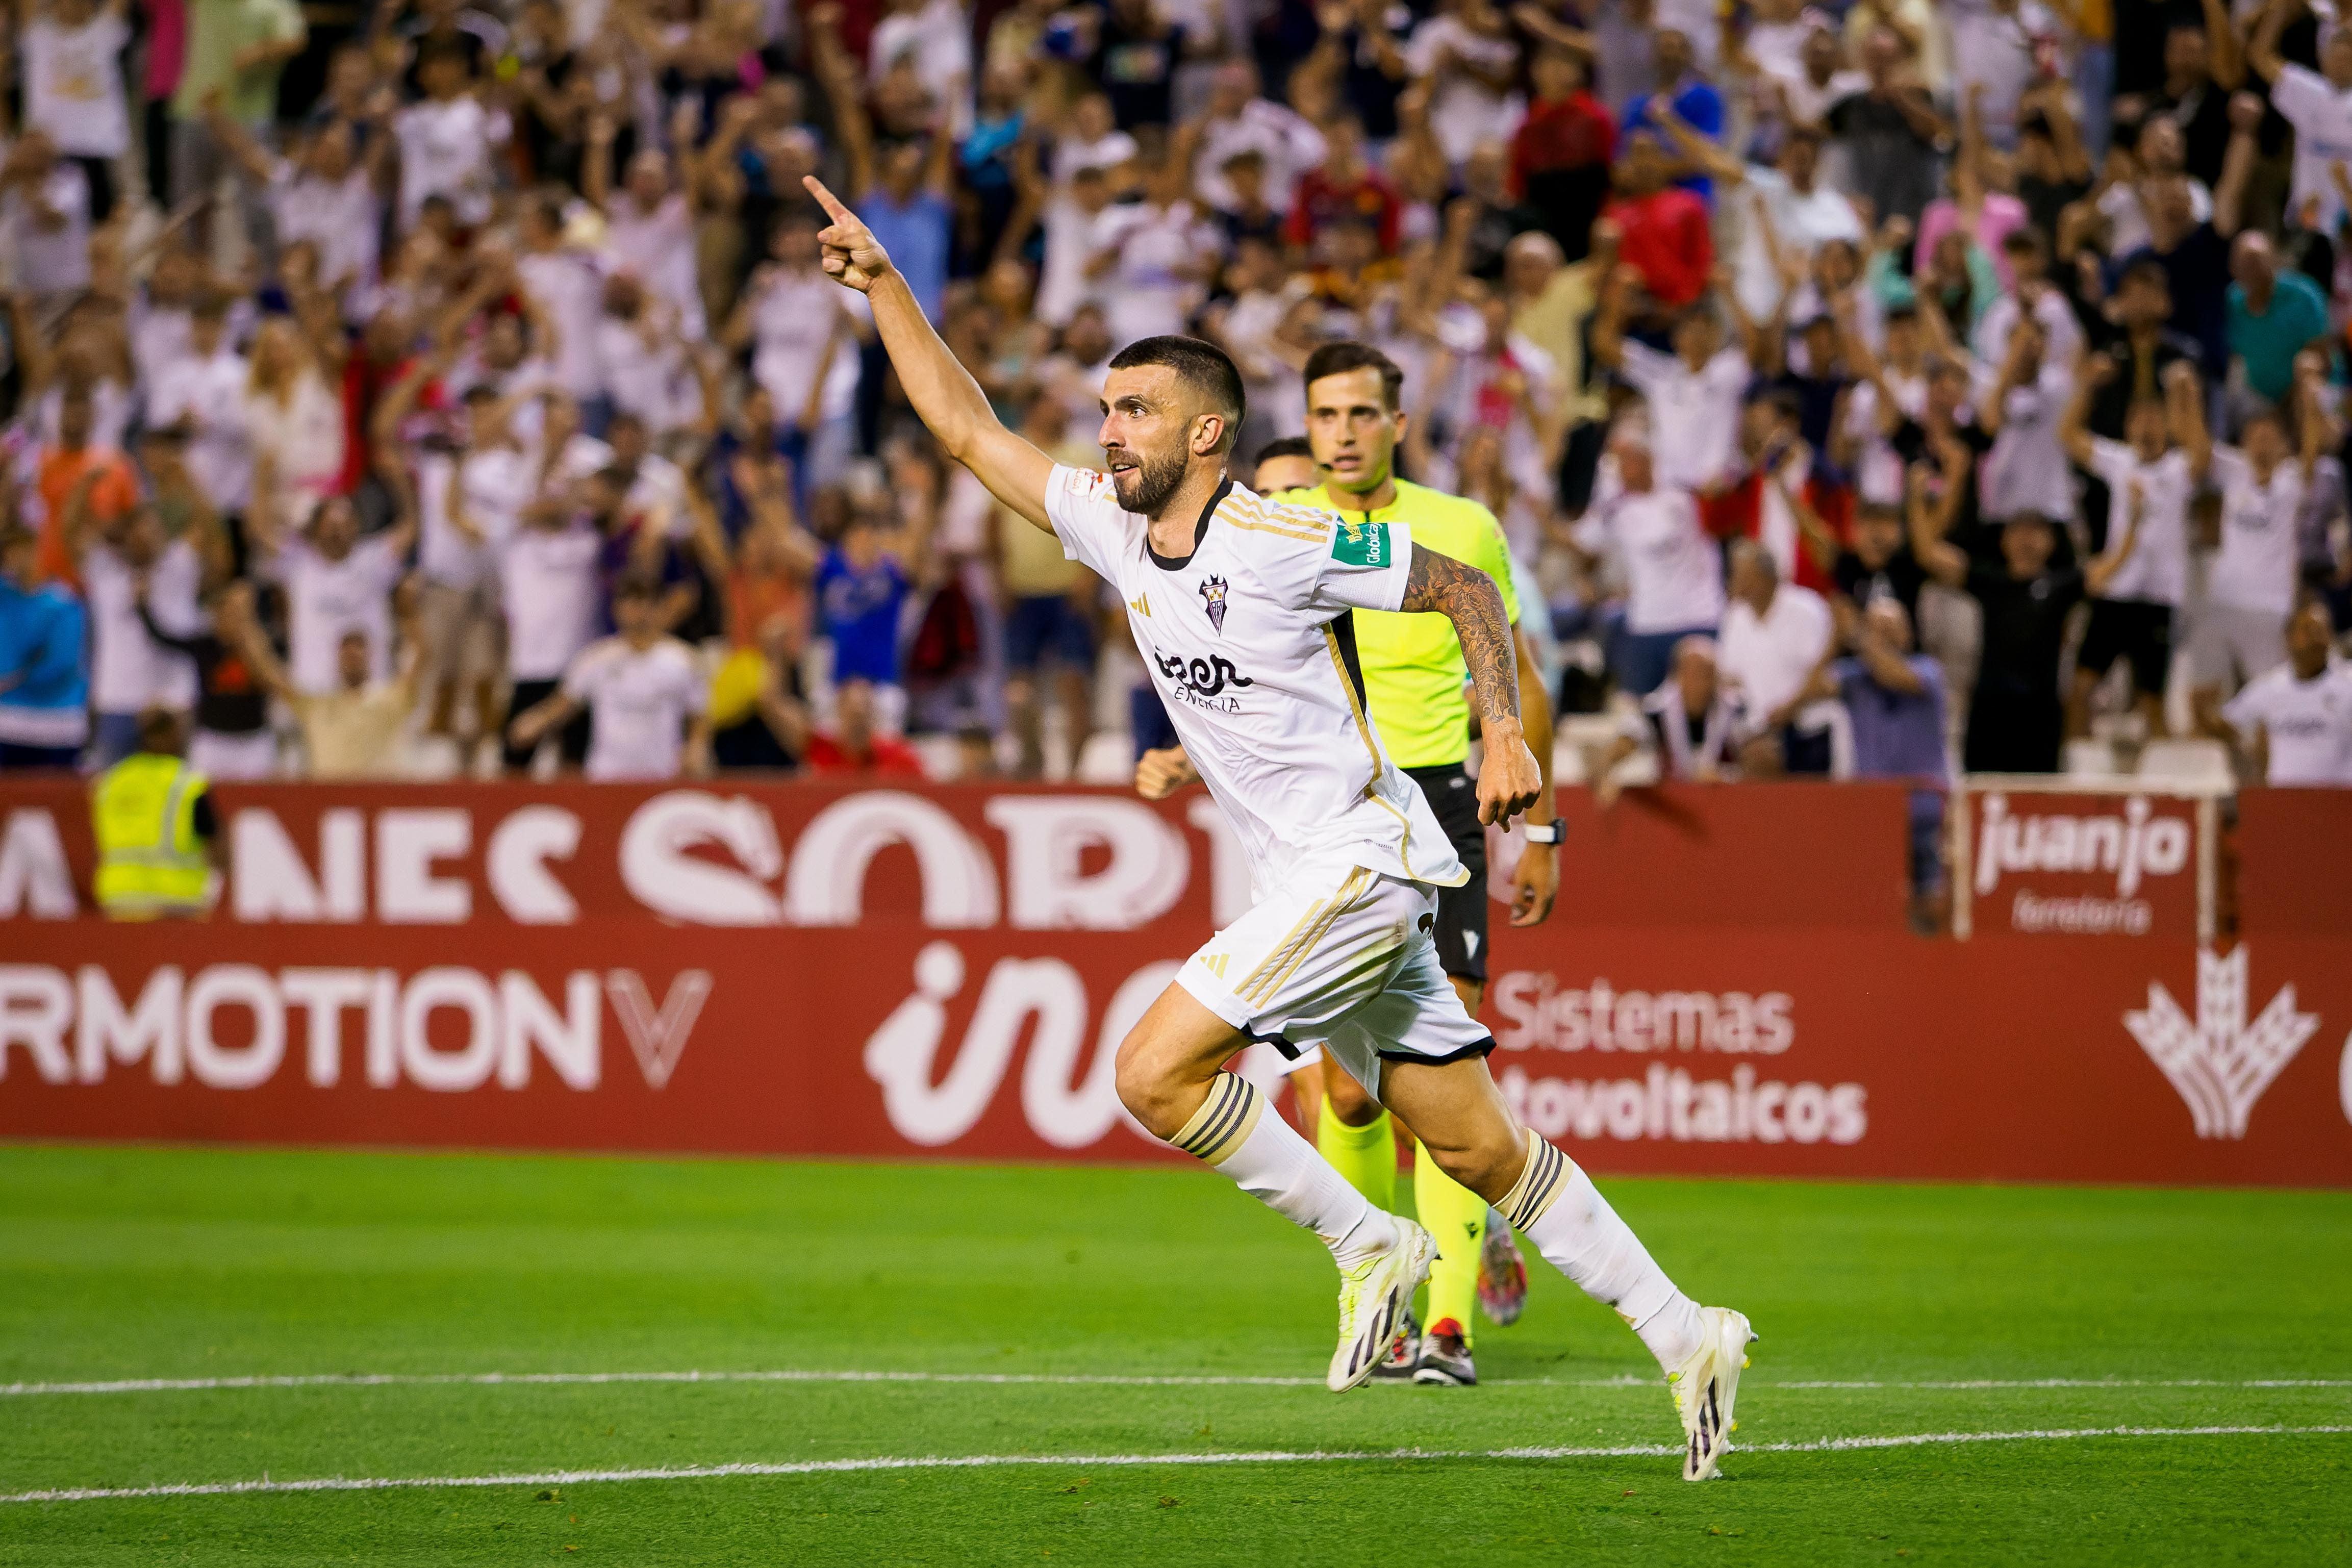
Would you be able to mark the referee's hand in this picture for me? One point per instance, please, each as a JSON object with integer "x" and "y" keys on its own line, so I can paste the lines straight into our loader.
{"x": 1535, "y": 884}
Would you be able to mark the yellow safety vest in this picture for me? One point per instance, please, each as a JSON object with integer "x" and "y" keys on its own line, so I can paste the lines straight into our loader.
{"x": 150, "y": 861}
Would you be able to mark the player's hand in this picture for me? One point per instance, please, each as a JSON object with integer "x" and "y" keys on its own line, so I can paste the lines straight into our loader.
{"x": 853, "y": 257}
{"x": 1508, "y": 782}
{"x": 1535, "y": 883}
{"x": 1160, "y": 773}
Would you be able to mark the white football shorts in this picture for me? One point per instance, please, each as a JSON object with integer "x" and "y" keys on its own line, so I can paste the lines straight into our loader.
{"x": 1343, "y": 958}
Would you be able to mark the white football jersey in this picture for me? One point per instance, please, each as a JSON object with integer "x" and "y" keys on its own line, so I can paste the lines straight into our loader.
{"x": 2309, "y": 722}
{"x": 1250, "y": 646}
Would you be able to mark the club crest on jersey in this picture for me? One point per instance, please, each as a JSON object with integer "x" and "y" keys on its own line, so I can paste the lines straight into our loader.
{"x": 1212, "y": 593}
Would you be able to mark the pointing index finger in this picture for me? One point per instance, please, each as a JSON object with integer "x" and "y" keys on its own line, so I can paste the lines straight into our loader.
{"x": 827, "y": 200}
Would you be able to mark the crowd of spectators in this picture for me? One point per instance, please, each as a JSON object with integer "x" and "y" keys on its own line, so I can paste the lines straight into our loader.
{"x": 1882, "y": 388}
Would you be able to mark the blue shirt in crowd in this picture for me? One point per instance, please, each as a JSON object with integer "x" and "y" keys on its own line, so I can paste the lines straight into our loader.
{"x": 916, "y": 235}
{"x": 1896, "y": 734}
{"x": 1701, "y": 109}
{"x": 45, "y": 699}
{"x": 859, "y": 611}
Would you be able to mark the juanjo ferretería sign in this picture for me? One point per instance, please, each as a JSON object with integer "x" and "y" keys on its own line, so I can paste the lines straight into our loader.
{"x": 2035, "y": 858}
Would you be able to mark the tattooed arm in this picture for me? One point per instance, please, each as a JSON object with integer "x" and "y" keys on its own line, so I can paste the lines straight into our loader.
{"x": 1508, "y": 780}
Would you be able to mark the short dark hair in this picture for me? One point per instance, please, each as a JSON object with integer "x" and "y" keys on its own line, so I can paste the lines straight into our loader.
{"x": 1287, "y": 447}
{"x": 159, "y": 729}
{"x": 2146, "y": 269}
{"x": 636, "y": 586}
{"x": 1338, "y": 359}
{"x": 2024, "y": 241}
{"x": 1203, "y": 367}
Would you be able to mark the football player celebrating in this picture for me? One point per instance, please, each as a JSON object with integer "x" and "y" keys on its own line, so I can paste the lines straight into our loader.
{"x": 1243, "y": 610}
{"x": 1414, "y": 682}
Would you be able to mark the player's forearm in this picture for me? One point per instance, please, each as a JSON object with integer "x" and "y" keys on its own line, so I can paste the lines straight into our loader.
{"x": 945, "y": 396}
{"x": 1468, "y": 597}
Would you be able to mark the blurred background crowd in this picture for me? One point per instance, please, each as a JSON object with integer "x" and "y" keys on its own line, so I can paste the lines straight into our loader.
{"x": 1885, "y": 388}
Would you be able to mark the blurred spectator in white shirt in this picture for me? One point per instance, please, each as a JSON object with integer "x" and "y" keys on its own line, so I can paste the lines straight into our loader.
{"x": 1776, "y": 637}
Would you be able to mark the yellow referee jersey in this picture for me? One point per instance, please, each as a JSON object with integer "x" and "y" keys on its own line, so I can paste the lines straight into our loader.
{"x": 1413, "y": 672}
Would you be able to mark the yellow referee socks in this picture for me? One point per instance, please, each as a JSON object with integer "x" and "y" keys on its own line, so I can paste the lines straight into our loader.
{"x": 1365, "y": 1155}
{"x": 1456, "y": 1217}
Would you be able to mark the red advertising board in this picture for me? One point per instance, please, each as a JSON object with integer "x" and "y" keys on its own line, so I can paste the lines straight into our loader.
{"x": 788, "y": 970}
{"x": 2083, "y": 863}
{"x": 2291, "y": 877}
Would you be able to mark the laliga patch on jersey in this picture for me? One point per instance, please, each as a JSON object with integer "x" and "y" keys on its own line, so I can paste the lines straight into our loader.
{"x": 1360, "y": 544}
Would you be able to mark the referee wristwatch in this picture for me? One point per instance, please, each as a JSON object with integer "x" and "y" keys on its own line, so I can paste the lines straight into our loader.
{"x": 1552, "y": 832}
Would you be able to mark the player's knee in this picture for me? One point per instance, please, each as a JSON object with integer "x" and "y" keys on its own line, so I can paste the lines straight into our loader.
{"x": 1148, "y": 1087}
{"x": 1487, "y": 1162}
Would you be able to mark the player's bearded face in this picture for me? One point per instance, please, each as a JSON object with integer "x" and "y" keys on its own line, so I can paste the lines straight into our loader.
{"x": 1145, "y": 479}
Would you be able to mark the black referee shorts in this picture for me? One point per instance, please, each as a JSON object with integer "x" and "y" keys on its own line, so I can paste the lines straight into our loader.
{"x": 1461, "y": 931}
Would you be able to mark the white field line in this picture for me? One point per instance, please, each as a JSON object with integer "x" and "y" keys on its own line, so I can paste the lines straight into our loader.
{"x": 497, "y": 1379}
{"x": 1085, "y": 1462}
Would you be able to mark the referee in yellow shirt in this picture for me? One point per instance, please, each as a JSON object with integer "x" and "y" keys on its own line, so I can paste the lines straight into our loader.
{"x": 1415, "y": 679}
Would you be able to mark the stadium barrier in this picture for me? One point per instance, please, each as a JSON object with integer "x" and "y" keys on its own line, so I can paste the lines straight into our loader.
{"x": 807, "y": 969}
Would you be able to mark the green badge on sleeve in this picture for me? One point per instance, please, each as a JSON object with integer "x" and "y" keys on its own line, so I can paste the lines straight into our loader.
{"x": 1360, "y": 544}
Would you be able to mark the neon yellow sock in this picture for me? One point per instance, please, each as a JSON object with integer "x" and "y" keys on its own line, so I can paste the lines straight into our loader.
{"x": 1456, "y": 1216}
{"x": 1365, "y": 1155}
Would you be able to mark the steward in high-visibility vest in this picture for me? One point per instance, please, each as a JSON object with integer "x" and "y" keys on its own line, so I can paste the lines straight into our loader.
{"x": 152, "y": 816}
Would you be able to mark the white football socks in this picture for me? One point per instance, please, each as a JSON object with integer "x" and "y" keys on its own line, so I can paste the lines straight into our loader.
{"x": 1269, "y": 1161}
{"x": 1556, "y": 1204}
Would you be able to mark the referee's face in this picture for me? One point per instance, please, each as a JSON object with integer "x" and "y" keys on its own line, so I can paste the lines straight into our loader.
{"x": 1352, "y": 429}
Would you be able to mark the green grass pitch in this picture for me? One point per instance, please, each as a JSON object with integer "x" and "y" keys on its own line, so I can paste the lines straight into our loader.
{"x": 1950, "y": 1312}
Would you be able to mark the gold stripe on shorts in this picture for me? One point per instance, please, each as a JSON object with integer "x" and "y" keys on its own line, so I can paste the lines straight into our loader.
{"x": 1242, "y": 987}
{"x": 1341, "y": 902}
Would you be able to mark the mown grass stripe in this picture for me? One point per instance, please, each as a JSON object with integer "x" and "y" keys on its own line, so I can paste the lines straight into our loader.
{"x": 1077, "y": 1380}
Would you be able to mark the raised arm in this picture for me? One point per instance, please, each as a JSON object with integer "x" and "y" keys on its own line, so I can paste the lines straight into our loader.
{"x": 243, "y": 150}
{"x": 2225, "y": 56}
{"x": 2246, "y": 113}
{"x": 2314, "y": 430}
{"x": 1699, "y": 153}
{"x": 2074, "y": 158}
{"x": 1609, "y": 321}
{"x": 2262, "y": 50}
{"x": 2102, "y": 571}
{"x": 944, "y": 394}
{"x": 2074, "y": 431}
{"x": 1993, "y": 407}
{"x": 1937, "y": 556}
{"x": 253, "y": 645}
{"x": 2184, "y": 398}
{"x": 1508, "y": 779}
